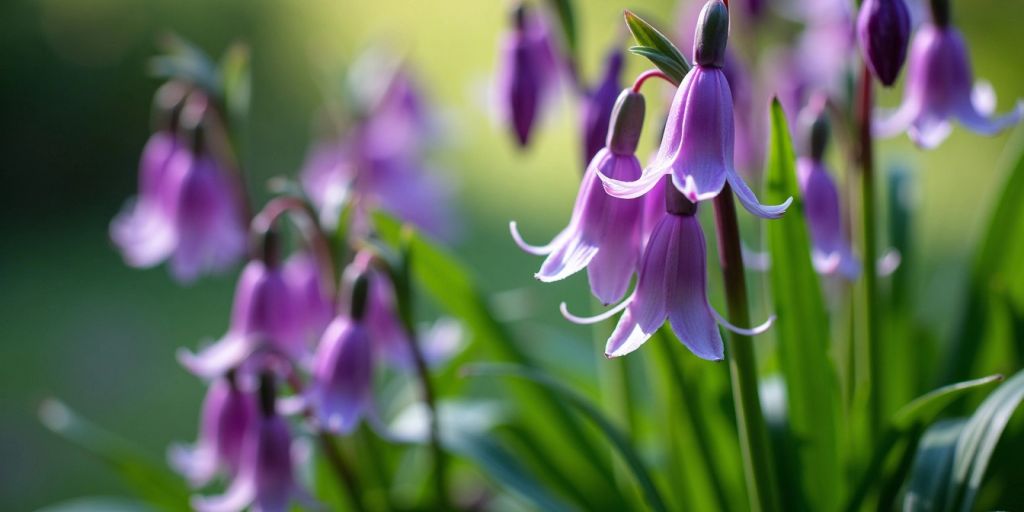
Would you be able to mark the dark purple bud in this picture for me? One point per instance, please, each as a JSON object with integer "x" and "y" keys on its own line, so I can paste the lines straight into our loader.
{"x": 627, "y": 121}
{"x": 520, "y": 81}
{"x": 883, "y": 31}
{"x": 940, "y": 12}
{"x": 815, "y": 128}
{"x": 597, "y": 108}
{"x": 709, "y": 42}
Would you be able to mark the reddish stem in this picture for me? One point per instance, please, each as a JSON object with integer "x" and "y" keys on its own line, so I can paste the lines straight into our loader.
{"x": 306, "y": 221}
{"x": 650, "y": 73}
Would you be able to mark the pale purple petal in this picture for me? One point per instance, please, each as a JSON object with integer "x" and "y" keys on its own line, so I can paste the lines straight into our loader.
{"x": 686, "y": 285}
{"x": 750, "y": 202}
{"x": 342, "y": 376}
{"x": 627, "y": 337}
{"x": 648, "y": 307}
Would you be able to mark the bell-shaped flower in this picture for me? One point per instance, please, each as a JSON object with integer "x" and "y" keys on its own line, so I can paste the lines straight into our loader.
{"x": 228, "y": 413}
{"x": 598, "y": 105}
{"x": 698, "y": 144}
{"x": 671, "y": 284}
{"x": 604, "y": 232}
{"x": 883, "y": 32}
{"x": 527, "y": 73}
{"x": 831, "y": 252}
{"x": 265, "y": 480}
{"x": 342, "y": 376}
{"x": 939, "y": 89}
{"x": 311, "y": 294}
{"x": 264, "y": 315}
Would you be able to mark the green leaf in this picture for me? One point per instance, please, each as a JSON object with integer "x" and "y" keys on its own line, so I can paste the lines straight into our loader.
{"x": 237, "y": 80}
{"x": 979, "y": 439}
{"x": 902, "y": 435}
{"x": 567, "y": 21}
{"x": 571, "y": 397}
{"x": 185, "y": 61}
{"x": 926, "y": 408}
{"x": 151, "y": 480}
{"x": 995, "y": 266}
{"x": 929, "y": 476}
{"x": 97, "y": 504}
{"x": 656, "y": 47}
{"x": 802, "y": 331}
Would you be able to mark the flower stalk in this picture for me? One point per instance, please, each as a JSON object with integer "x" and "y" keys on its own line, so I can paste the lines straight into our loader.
{"x": 754, "y": 442}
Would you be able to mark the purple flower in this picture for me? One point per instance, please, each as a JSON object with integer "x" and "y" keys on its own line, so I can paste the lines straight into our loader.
{"x": 672, "y": 284}
{"x": 264, "y": 314}
{"x": 831, "y": 251}
{"x": 228, "y": 412}
{"x": 604, "y": 232}
{"x": 697, "y": 147}
{"x": 938, "y": 88}
{"x": 598, "y": 105}
{"x": 527, "y": 74}
{"x": 883, "y": 30}
{"x": 143, "y": 231}
{"x": 265, "y": 480}
{"x": 342, "y": 375}
{"x": 311, "y": 295}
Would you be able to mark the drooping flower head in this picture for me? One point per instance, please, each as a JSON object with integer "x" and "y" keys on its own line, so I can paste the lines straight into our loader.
{"x": 939, "y": 88}
{"x": 527, "y": 74}
{"x": 698, "y": 144}
{"x": 672, "y": 285}
{"x": 311, "y": 293}
{"x": 598, "y": 105}
{"x": 831, "y": 252}
{"x": 381, "y": 160}
{"x": 883, "y": 32}
{"x": 189, "y": 209}
{"x": 264, "y": 316}
{"x": 604, "y": 232}
{"x": 343, "y": 365}
{"x": 227, "y": 415}
{"x": 265, "y": 480}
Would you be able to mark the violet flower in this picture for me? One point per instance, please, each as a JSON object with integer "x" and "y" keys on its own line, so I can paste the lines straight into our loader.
{"x": 527, "y": 74}
{"x": 883, "y": 31}
{"x": 698, "y": 144}
{"x": 598, "y": 105}
{"x": 311, "y": 295}
{"x": 265, "y": 480}
{"x": 604, "y": 232}
{"x": 672, "y": 284}
{"x": 343, "y": 366}
{"x": 228, "y": 412}
{"x": 264, "y": 315}
{"x": 938, "y": 88}
{"x": 189, "y": 209}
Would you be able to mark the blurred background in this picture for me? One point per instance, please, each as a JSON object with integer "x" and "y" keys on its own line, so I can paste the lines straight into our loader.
{"x": 76, "y": 323}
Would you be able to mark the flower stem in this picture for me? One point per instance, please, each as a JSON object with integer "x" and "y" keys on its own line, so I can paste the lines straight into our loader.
{"x": 341, "y": 468}
{"x": 754, "y": 442}
{"x": 872, "y": 342}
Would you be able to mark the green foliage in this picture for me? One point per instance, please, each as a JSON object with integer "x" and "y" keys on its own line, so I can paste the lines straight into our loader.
{"x": 802, "y": 330}
{"x": 653, "y": 45}
{"x": 567, "y": 21}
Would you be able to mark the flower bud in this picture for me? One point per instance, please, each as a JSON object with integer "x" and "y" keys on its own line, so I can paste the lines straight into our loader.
{"x": 712, "y": 35}
{"x": 816, "y": 129}
{"x": 627, "y": 123}
{"x": 883, "y": 31}
{"x": 940, "y": 12}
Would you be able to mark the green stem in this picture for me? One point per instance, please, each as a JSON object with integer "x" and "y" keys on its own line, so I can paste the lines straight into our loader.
{"x": 341, "y": 468}
{"x": 872, "y": 342}
{"x": 754, "y": 442}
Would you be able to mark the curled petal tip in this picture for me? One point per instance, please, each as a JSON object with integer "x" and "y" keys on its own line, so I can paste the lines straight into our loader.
{"x": 753, "y": 331}
{"x": 536, "y": 250}
{"x": 564, "y": 309}
{"x": 888, "y": 263}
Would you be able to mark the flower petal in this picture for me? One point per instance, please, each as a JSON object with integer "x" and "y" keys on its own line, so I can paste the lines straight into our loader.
{"x": 648, "y": 306}
{"x": 536, "y": 250}
{"x": 928, "y": 132}
{"x": 689, "y": 313}
{"x": 626, "y": 337}
{"x": 570, "y": 257}
{"x": 197, "y": 463}
{"x": 752, "y": 331}
{"x": 600, "y": 317}
{"x": 218, "y": 358}
{"x": 238, "y": 496}
{"x": 750, "y": 202}
{"x": 979, "y": 122}
{"x": 632, "y": 189}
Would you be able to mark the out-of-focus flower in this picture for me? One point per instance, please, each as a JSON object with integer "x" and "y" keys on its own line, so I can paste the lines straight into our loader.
{"x": 228, "y": 413}
{"x": 264, "y": 314}
{"x": 598, "y": 105}
{"x": 939, "y": 88}
{"x": 311, "y": 295}
{"x": 697, "y": 147}
{"x": 343, "y": 365}
{"x": 883, "y": 31}
{"x": 528, "y": 72}
{"x": 604, "y": 232}
{"x": 265, "y": 480}
{"x": 189, "y": 208}
{"x": 380, "y": 163}
{"x": 672, "y": 284}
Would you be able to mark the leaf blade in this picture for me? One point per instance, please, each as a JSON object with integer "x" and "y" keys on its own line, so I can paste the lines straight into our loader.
{"x": 656, "y": 43}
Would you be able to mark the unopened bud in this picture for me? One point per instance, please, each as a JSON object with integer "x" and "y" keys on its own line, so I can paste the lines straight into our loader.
{"x": 626, "y": 123}
{"x": 712, "y": 35}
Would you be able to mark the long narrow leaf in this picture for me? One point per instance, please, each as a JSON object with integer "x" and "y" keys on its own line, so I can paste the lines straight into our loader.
{"x": 567, "y": 395}
{"x": 658, "y": 48}
{"x": 803, "y": 333}
{"x": 926, "y": 490}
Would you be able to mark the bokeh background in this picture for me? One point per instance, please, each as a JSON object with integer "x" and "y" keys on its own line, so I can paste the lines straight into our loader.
{"x": 74, "y": 113}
